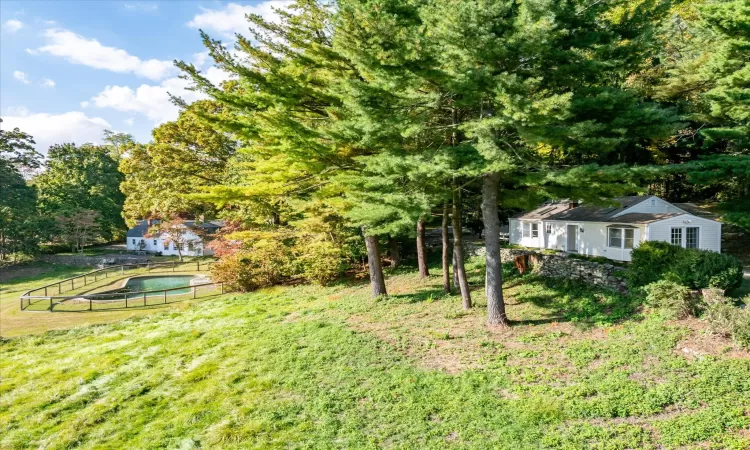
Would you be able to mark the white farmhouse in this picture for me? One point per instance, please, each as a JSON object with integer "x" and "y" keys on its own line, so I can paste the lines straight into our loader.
{"x": 613, "y": 231}
{"x": 139, "y": 239}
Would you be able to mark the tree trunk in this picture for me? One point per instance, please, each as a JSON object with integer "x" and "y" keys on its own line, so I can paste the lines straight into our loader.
{"x": 179, "y": 252}
{"x": 455, "y": 272}
{"x": 393, "y": 249}
{"x": 494, "y": 275}
{"x": 446, "y": 251}
{"x": 377, "y": 281}
{"x": 424, "y": 271}
{"x": 458, "y": 250}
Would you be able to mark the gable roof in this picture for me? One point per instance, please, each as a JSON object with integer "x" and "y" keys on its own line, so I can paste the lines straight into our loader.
{"x": 141, "y": 229}
{"x": 598, "y": 213}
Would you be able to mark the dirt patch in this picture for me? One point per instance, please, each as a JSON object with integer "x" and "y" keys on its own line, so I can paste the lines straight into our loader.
{"x": 699, "y": 342}
{"x": 15, "y": 272}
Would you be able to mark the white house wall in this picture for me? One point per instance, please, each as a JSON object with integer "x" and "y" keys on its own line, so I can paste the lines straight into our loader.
{"x": 653, "y": 205}
{"x": 158, "y": 245}
{"x": 592, "y": 240}
{"x": 709, "y": 234}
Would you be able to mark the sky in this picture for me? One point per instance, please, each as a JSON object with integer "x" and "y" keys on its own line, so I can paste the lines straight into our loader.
{"x": 69, "y": 69}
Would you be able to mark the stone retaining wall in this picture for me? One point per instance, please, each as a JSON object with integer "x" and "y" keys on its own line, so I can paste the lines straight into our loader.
{"x": 563, "y": 266}
{"x": 94, "y": 261}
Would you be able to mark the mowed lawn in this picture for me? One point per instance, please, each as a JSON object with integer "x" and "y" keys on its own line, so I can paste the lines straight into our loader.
{"x": 311, "y": 367}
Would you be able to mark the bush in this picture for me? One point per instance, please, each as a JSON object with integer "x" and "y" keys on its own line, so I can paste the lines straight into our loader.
{"x": 674, "y": 298}
{"x": 266, "y": 263}
{"x": 727, "y": 320}
{"x": 693, "y": 268}
{"x": 650, "y": 261}
{"x": 319, "y": 261}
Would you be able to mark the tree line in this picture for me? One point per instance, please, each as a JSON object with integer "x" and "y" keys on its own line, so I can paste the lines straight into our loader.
{"x": 350, "y": 126}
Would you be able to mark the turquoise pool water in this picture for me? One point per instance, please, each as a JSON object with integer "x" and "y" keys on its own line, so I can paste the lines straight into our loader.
{"x": 158, "y": 282}
{"x": 150, "y": 283}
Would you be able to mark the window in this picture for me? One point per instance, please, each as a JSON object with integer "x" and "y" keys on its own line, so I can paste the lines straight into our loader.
{"x": 548, "y": 228}
{"x": 526, "y": 229}
{"x": 676, "y": 238}
{"x": 133, "y": 241}
{"x": 692, "y": 235}
{"x": 653, "y": 202}
{"x": 154, "y": 242}
{"x": 534, "y": 230}
{"x": 629, "y": 237}
{"x": 621, "y": 238}
{"x": 615, "y": 237}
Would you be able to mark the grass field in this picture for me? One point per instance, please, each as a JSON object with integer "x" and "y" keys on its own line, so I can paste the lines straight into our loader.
{"x": 311, "y": 367}
{"x": 14, "y": 322}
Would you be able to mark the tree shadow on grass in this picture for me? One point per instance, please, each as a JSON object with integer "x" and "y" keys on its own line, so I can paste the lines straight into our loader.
{"x": 422, "y": 295}
{"x": 571, "y": 301}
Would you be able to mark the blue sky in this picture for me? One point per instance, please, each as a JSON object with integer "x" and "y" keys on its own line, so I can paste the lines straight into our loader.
{"x": 70, "y": 69}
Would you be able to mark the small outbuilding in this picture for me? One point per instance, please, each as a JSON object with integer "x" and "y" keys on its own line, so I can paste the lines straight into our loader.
{"x": 614, "y": 231}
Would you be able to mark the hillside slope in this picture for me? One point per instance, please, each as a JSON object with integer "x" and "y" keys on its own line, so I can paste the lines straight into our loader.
{"x": 308, "y": 367}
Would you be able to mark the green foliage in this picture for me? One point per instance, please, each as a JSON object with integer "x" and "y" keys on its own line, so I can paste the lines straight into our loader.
{"x": 186, "y": 156}
{"x": 674, "y": 298}
{"x": 693, "y": 268}
{"x": 702, "y": 268}
{"x": 83, "y": 178}
{"x": 319, "y": 260}
{"x": 265, "y": 262}
{"x": 650, "y": 261}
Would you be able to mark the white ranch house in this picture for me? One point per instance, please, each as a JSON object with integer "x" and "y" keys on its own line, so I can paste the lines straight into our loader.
{"x": 613, "y": 231}
{"x": 137, "y": 239}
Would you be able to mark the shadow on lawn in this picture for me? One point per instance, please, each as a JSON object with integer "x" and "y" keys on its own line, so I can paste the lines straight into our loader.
{"x": 571, "y": 301}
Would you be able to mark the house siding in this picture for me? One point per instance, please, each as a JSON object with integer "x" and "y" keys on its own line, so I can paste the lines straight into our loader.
{"x": 198, "y": 249}
{"x": 659, "y": 207}
{"x": 516, "y": 234}
{"x": 709, "y": 235}
{"x": 592, "y": 241}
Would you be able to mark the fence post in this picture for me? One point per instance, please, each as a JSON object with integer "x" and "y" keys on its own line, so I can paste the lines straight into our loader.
{"x": 173, "y": 266}
{"x": 126, "y": 300}
{"x": 144, "y": 299}
{"x": 222, "y": 287}
{"x": 50, "y": 304}
{"x": 59, "y": 289}
{"x": 91, "y": 304}
{"x": 45, "y": 291}
{"x": 72, "y": 286}
{"x": 85, "y": 280}
{"x": 199, "y": 266}
{"x": 165, "y": 296}
{"x": 193, "y": 291}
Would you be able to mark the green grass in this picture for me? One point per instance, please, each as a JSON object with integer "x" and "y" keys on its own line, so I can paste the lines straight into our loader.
{"x": 310, "y": 367}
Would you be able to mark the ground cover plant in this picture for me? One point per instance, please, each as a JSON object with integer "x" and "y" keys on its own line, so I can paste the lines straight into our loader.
{"x": 311, "y": 367}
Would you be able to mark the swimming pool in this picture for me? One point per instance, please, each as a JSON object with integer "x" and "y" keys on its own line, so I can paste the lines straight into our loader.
{"x": 148, "y": 283}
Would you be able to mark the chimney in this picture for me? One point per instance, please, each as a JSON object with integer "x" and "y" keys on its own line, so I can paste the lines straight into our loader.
{"x": 572, "y": 204}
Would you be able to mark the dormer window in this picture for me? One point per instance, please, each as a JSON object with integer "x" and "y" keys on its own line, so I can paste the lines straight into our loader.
{"x": 653, "y": 202}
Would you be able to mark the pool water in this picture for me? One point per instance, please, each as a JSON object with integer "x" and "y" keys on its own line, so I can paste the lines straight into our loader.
{"x": 158, "y": 282}
{"x": 151, "y": 283}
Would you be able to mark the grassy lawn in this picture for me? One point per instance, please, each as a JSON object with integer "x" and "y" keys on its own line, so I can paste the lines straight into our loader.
{"x": 310, "y": 367}
{"x": 14, "y": 322}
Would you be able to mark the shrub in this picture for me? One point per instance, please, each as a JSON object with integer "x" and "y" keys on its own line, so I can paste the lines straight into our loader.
{"x": 319, "y": 261}
{"x": 672, "y": 297}
{"x": 265, "y": 263}
{"x": 697, "y": 269}
{"x": 727, "y": 320}
{"x": 650, "y": 261}
{"x": 702, "y": 268}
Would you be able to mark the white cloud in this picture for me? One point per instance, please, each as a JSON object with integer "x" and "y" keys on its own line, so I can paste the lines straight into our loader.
{"x": 84, "y": 105}
{"x": 13, "y": 25}
{"x": 129, "y": 122}
{"x": 21, "y": 111}
{"x": 50, "y": 129}
{"x": 89, "y": 52}
{"x": 231, "y": 18}
{"x": 153, "y": 101}
{"x": 199, "y": 59}
{"x": 22, "y": 77}
{"x": 48, "y": 83}
{"x": 31, "y": 51}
